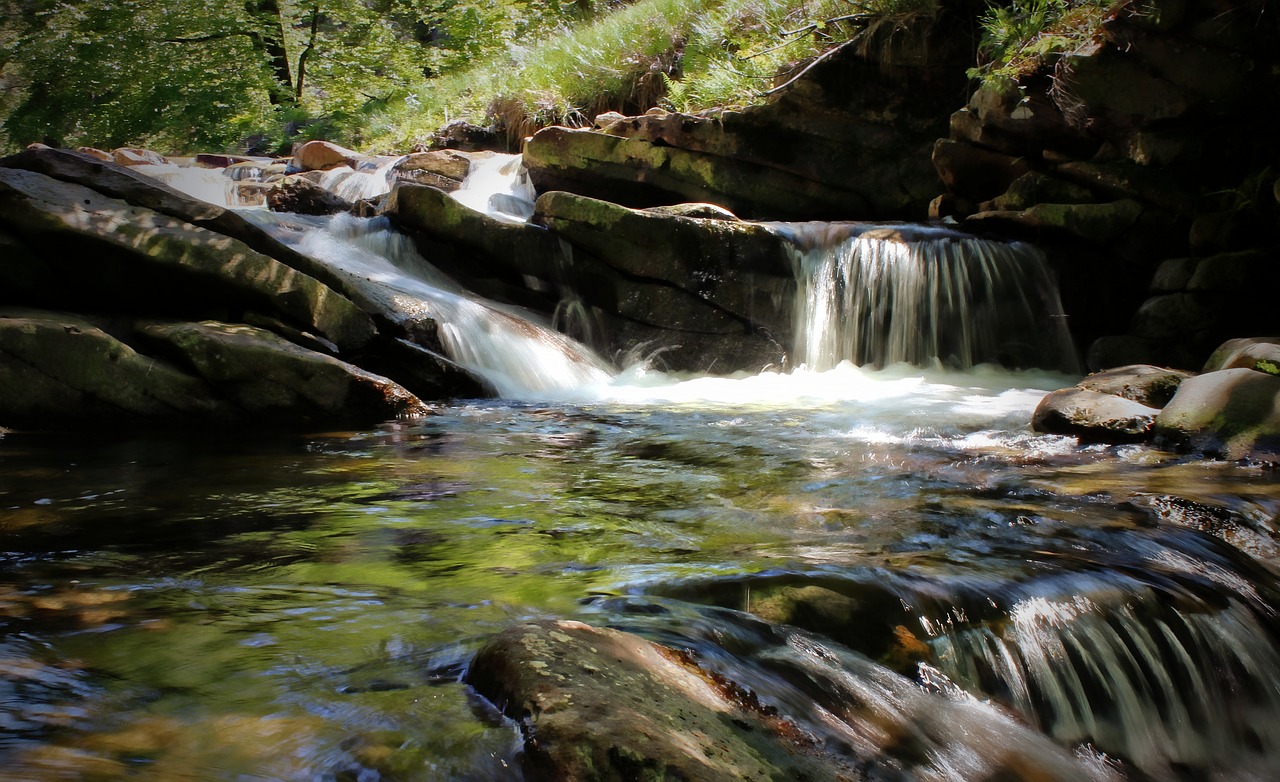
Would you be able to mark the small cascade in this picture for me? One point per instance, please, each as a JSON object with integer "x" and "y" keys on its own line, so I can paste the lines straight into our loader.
{"x": 371, "y": 180}
{"x": 206, "y": 184}
{"x": 883, "y": 294}
{"x": 1162, "y": 680}
{"x": 499, "y": 187}
{"x": 519, "y": 357}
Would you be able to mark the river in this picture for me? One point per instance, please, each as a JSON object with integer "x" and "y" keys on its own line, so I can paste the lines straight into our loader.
{"x": 280, "y": 605}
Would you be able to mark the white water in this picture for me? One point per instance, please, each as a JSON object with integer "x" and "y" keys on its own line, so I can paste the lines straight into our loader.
{"x": 879, "y": 295}
{"x": 206, "y": 184}
{"x": 367, "y": 182}
{"x": 499, "y": 186}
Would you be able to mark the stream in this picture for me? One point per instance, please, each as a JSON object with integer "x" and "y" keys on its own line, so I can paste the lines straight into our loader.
{"x": 304, "y": 606}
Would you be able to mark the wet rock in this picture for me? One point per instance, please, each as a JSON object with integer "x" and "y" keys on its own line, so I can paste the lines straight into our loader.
{"x": 1231, "y": 413}
{"x": 58, "y": 367}
{"x": 442, "y": 168}
{"x": 851, "y": 139}
{"x": 108, "y": 253}
{"x": 685, "y": 276}
{"x": 1034, "y": 188}
{"x": 1093, "y": 417}
{"x": 1246, "y": 352}
{"x": 1173, "y": 274}
{"x": 207, "y": 160}
{"x": 140, "y": 190}
{"x": 598, "y": 704}
{"x": 300, "y": 195}
{"x": 1149, "y": 385}
{"x": 131, "y": 156}
{"x": 266, "y": 375}
{"x": 324, "y": 155}
{"x": 1097, "y": 224}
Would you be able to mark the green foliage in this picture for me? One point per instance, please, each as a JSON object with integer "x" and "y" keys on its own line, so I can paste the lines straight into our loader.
{"x": 1268, "y": 367}
{"x": 195, "y": 75}
{"x": 1020, "y": 37}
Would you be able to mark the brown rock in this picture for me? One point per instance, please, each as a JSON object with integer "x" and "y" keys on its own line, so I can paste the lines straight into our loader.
{"x": 1149, "y": 385}
{"x": 324, "y": 155}
{"x": 131, "y": 156}
{"x": 597, "y": 704}
{"x": 1093, "y": 416}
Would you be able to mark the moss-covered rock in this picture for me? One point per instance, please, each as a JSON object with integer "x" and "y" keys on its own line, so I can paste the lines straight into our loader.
{"x": 1232, "y": 413}
{"x": 267, "y": 376}
{"x": 1245, "y": 352}
{"x": 58, "y": 368}
{"x": 109, "y": 254}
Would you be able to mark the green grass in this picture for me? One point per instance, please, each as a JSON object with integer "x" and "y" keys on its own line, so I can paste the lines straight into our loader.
{"x": 686, "y": 55}
{"x": 1025, "y": 36}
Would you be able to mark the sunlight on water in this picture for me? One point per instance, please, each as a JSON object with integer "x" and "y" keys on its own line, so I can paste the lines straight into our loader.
{"x": 499, "y": 186}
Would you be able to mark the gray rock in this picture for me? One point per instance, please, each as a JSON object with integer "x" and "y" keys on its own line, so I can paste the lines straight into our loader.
{"x": 1093, "y": 416}
{"x": 1245, "y": 352}
{"x": 58, "y": 368}
{"x": 268, "y": 377}
{"x": 1149, "y": 385}
{"x": 1232, "y": 414}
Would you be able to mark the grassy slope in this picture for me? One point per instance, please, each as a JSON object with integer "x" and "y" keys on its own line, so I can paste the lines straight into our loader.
{"x": 686, "y": 55}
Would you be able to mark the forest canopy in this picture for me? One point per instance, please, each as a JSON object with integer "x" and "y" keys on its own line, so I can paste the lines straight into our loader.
{"x": 381, "y": 75}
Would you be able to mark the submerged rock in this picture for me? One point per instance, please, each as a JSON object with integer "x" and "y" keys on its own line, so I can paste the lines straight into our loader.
{"x": 1232, "y": 413}
{"x": 1093, "y": 416}
{"x": 598, "y": 704}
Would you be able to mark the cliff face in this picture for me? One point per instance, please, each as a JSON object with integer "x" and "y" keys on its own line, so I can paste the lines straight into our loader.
{"x": 1144, "y": 164}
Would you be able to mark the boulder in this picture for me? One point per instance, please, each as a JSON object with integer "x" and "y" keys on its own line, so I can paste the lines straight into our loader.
{"x": 131, "y": 156}
{"x": 598, "y": 704}
{"x": 1093, "y": 417}
{"x": 268, "y": 377}
{"x": 441, "y": 168}
{"x": 324, "y": 155}
{"x": 975, "y": 172}
{"x": 1149, "y": 385}
{"x": 1100, "y": 225}
{"x": 300, "y": 195}
{"x": 58, "y": 368}
{"x": 1246, "y": 352}
{"x": 1231, "y": 413}
{"x": 699, "y": 291}
{"x": 144, "y": 191}
{"x": 110, "y": 254}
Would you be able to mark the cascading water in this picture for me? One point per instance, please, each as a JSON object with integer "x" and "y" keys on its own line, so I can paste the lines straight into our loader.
{"x": 499, "y": 186}
{"x": 371, "y": 180}
{"x": 974, "y": 614}
{"x": 519, "y": 357}
{"x": 878, "y": 295}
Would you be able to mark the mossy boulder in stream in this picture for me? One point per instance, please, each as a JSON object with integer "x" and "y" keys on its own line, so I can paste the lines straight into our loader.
{"x": 1232, "y": 413}
{"x": 263, "y": 374}
{"x": 61, "y": 366}
{"x": 106, "y": 252}
{"x": 598, "y": 704}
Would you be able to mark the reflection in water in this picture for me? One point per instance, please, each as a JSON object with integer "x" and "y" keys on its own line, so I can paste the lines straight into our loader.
{"x": 904, "y": 570}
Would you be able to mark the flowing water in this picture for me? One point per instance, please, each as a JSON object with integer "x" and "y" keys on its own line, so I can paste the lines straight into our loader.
{"x": 887, "y": 556}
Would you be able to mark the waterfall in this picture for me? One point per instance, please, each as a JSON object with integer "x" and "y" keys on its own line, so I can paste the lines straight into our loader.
{"x": 499, "y": 186}
{"x": 1164, "y": 681}
{"x": 372, "y": 179}
{"x": 882, "y": 294}
{"x": 519, "y": 357}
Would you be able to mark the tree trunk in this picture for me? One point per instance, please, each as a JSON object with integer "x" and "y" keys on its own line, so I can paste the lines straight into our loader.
{"x": 268, "y": 33}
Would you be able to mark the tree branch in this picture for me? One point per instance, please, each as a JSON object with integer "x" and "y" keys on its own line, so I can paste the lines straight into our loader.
{"x": 809, "y": 67}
